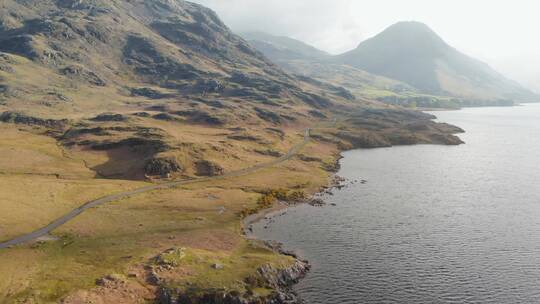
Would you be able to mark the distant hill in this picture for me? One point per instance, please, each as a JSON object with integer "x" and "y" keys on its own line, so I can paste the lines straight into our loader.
{"x": 413, "y": 53}
{"x": 280, "y": 48}
{"x": 300, "y": 58}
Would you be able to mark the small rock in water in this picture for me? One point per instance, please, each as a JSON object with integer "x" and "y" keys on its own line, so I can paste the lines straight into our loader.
{"x": 317, "y": 202}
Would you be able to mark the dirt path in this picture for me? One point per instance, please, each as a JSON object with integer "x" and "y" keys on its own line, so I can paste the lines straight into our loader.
{"x": 114, "y": 197}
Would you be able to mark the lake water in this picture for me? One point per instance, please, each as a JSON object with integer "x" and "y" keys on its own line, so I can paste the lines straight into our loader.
{"x": 433, "y": 224}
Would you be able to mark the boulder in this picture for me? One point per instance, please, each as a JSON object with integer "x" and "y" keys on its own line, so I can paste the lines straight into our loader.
{"x": 171, "y": 257}
{"x": 162, "y": 167}
{"x": 208, "y": 168}
{"x": 217, "y": 266}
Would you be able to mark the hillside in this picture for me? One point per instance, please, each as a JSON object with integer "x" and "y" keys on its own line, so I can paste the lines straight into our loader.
{"x": 175, "y": 46}
{"x": 407, "y": 64}
{"x": 280, "y": 49}
{"x": 302, "y": 59}
{"x": 136, "y": 64}
{"x": 411, "y": 52}
{"x": 135, "y": 136}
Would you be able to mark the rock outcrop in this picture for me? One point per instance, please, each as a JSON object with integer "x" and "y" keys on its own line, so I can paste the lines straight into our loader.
{"x": 20, "y": 118}
{"x": 267, "y": 276}
{"x": 208, "y": 168}
{"x": 163, "y": 167}
{"x": 109, "y": 117}
{"x": 149, "y": 93}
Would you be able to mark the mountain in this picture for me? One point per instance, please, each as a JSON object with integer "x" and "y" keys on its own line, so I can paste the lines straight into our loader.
{"x": 174, "y": 45}
{"x": 107, "y": 74}
{"x": 137, "y": 135}
{"x": 134, "y": 63}
{"x": 441, "y": 78}
{"x": 302, "y": 59}
{"x": 413, "y": 53}
{"x": 281, "y": 48}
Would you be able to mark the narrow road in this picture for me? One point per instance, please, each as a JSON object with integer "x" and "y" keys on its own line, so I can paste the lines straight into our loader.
{"x": 114, "y": 197}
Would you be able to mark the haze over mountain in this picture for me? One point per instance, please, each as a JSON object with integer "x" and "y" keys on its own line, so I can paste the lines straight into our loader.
{"x": 303, "y": 59}
{"x": 282, "y": 48}
{"x": 412, "y": 55}
{"x": 411, "y": 52}
{"x": 338, "y": 26}
{"x": 527, "y": 74}
{"x": 136, "y": 135}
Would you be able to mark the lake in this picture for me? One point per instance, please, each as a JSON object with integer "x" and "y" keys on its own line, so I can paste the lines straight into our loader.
{"x": 433, "y": 224}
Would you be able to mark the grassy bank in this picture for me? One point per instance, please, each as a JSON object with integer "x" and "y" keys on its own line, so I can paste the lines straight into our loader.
{"x": 124, "y": 237}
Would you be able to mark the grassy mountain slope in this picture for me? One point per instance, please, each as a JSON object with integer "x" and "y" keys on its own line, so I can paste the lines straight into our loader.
{"x": 177, "y": 46}
{"x": 124, "y": 73}
{"x": 103, "y": 96}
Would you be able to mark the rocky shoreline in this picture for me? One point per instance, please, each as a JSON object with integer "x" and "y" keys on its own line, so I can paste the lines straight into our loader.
{"x": 280, "y": 281}
{"x": 335, "y": 182}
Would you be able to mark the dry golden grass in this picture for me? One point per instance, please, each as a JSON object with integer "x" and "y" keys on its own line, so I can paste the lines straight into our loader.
{"x": 30, "y": 202}
{"x": 124, "y": 235}
{"x": 23, "y": 152}
{"x": 41, "y": 183}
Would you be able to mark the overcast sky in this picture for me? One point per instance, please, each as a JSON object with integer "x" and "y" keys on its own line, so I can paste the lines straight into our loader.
{"x": 503, "y": 33}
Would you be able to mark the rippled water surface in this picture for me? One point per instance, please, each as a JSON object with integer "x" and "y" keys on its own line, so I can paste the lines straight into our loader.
{"x": 433, "y": 224}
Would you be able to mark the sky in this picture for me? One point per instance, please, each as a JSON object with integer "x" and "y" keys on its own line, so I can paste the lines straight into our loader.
{"x": 502, "y": 33}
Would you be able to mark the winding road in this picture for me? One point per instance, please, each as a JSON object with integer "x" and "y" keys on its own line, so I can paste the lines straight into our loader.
{"x": 114, "y": 197}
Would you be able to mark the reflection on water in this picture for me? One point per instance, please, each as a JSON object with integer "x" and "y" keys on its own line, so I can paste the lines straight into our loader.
{"x": 433, "y": 224}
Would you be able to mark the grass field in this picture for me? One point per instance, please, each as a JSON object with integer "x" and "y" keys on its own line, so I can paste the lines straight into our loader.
{"x": 122, "y": 237}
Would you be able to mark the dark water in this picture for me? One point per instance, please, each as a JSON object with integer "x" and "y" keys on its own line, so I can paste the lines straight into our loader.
{"x": 434, "y": 224}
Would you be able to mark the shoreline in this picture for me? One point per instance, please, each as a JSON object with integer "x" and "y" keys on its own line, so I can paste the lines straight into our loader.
{"x": 269, "y": 281}
{"x": 300, "y": 234}
{"x": 334, "y": 181}
{"x": 301, "y": 266}
{"x": 281, "y": 279}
